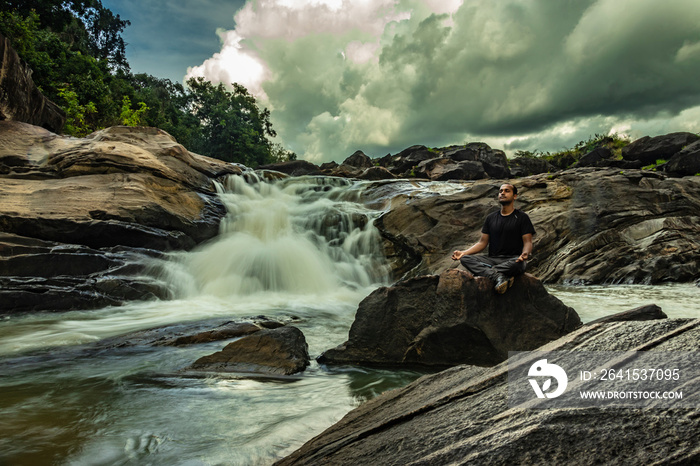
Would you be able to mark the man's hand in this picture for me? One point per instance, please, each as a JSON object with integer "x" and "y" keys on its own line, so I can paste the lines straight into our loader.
{"x": 457, "y": 255}
{"x": 523, "y": 257}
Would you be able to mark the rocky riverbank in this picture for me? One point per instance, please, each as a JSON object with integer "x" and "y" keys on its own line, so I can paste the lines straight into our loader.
{"x": 462, "y": 415}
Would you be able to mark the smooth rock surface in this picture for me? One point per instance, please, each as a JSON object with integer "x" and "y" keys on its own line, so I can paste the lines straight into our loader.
{"x": 462, "y": 416}
{"x": 452, "y": 319}
{"x": 280, "y": 351}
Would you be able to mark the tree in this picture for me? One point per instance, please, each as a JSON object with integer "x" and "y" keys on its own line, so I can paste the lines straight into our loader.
{"x": 232, "y": 126}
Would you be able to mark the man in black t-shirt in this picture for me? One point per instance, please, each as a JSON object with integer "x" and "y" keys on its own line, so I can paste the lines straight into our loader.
{"x": 508, "y": 234}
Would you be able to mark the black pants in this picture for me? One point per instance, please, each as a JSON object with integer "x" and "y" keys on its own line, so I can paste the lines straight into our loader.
{"x": 485, "y": 266}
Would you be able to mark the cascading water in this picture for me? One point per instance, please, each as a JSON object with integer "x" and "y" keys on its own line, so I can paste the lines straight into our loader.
{"x": 302, "y": 236}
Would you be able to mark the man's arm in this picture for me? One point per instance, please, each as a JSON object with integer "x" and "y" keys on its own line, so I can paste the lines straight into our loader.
{"x": 476, "y": 247}
{"x": 527, "y": 248}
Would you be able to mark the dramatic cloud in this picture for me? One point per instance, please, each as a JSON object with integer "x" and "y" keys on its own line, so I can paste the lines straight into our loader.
{"x": 381, "y": 75}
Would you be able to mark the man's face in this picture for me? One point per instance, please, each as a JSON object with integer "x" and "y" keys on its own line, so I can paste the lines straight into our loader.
{"x": 506, "y": 195}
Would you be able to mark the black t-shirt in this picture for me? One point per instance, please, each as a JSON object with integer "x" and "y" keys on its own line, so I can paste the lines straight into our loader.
{"x": 506, "y": 232}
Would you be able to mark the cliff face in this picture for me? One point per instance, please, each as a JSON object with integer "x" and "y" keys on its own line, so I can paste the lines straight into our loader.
{"x": 20, "y": 100}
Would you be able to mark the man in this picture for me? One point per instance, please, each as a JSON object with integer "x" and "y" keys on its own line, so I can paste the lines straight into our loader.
{"x": 508, "y": 234}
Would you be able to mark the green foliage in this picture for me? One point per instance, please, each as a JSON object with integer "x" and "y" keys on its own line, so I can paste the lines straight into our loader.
{"x": 76, "y": 114}
{"x": 531, "y": 154}
{"x": 280, "y": 154}
{"x": 567, "y": 157}
{"x": 232, "y": 127}
{"x": 129, "y": 116}
{"x": 77, "y": 55}
{"x": 653, "y": 166}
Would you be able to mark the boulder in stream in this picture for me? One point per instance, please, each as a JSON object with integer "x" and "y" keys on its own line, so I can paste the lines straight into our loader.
{"x": 279, "y": 351}
{"x": 452, "y": 319}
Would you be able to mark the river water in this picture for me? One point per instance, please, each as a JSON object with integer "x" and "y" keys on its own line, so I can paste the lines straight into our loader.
{"x": 302, "y": 250}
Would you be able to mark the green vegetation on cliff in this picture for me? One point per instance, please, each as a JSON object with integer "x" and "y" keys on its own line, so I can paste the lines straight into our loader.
{"x": 78, "y": 60}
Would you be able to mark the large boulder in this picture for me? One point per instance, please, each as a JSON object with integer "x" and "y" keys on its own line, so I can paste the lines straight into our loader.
{"x": 593, "y": 225}
{"x": 20, "y": 99}
{"x": 462, "y": 416}
{"x": 452, "y": 319}
{"x": 648, "y": 150}
{"x": 686, "y": 162}
{"x": 359, "y": 160}
{"x": 280, "y": 351}
{"x": 86, "y": 208}
{"x": 525, "y": 166}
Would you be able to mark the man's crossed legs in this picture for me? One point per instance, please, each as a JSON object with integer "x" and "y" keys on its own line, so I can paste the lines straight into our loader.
{"x": 502, "y": 269}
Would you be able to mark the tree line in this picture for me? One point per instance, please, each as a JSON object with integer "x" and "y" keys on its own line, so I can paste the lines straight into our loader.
{"x": 78, "y": 58}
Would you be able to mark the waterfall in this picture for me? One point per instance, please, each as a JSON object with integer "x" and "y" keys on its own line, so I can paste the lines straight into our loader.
{"x": 307, "y": 235}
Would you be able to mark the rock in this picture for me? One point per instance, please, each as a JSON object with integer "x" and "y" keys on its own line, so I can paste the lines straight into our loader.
{"x": 37, "y": 275}
{"x": 376, "y": 173}
{"x": 293, "y": 168}
{"x": 648, "y": 150}
{"x": 20, "y": 99}
{"x": 648, "y": 312}
{"x": 187, "y": 333}
{"x": 598, "y": 157}
{"x": 280, "y": 351}
{"x": 359, "y": 160}
{"x": 444, "y": 169}
{"x": 686, "y": 162}
{"x": 145, "y": 189}
{"x": 462, "y": 415}
{"x": 452, "y": 319}
{"x": 82, "y": 216}
{"x": 328, "y": 166}
{"x": 403, "y": 163}
{"x": 525, "y": 166}
{"x": 594, "y": 225}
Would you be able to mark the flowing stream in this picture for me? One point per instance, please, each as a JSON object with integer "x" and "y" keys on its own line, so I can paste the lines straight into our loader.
{"x": 302, "y": 250}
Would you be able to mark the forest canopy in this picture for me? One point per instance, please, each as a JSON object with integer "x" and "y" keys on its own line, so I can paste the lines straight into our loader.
{"x": 78, "y": 58}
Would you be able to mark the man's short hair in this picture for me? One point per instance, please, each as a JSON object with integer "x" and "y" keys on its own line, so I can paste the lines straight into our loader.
{"x": 515, "y": 188}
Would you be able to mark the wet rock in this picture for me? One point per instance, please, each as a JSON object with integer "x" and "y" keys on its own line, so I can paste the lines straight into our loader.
{"x": 648, "y": 150}
{"x": 462, "y": 415}
{"x": 189, "y": 333}
{"x": 648, "y": 312}
{"x": 452, "y": 319}
{"x": 280, "y": 351}
{"x": 36, "y": 275}
{"x": 20, "y": 99}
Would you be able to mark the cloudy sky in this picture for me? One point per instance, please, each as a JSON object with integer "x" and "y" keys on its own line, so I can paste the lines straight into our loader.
{"x": 382, "y": 75}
